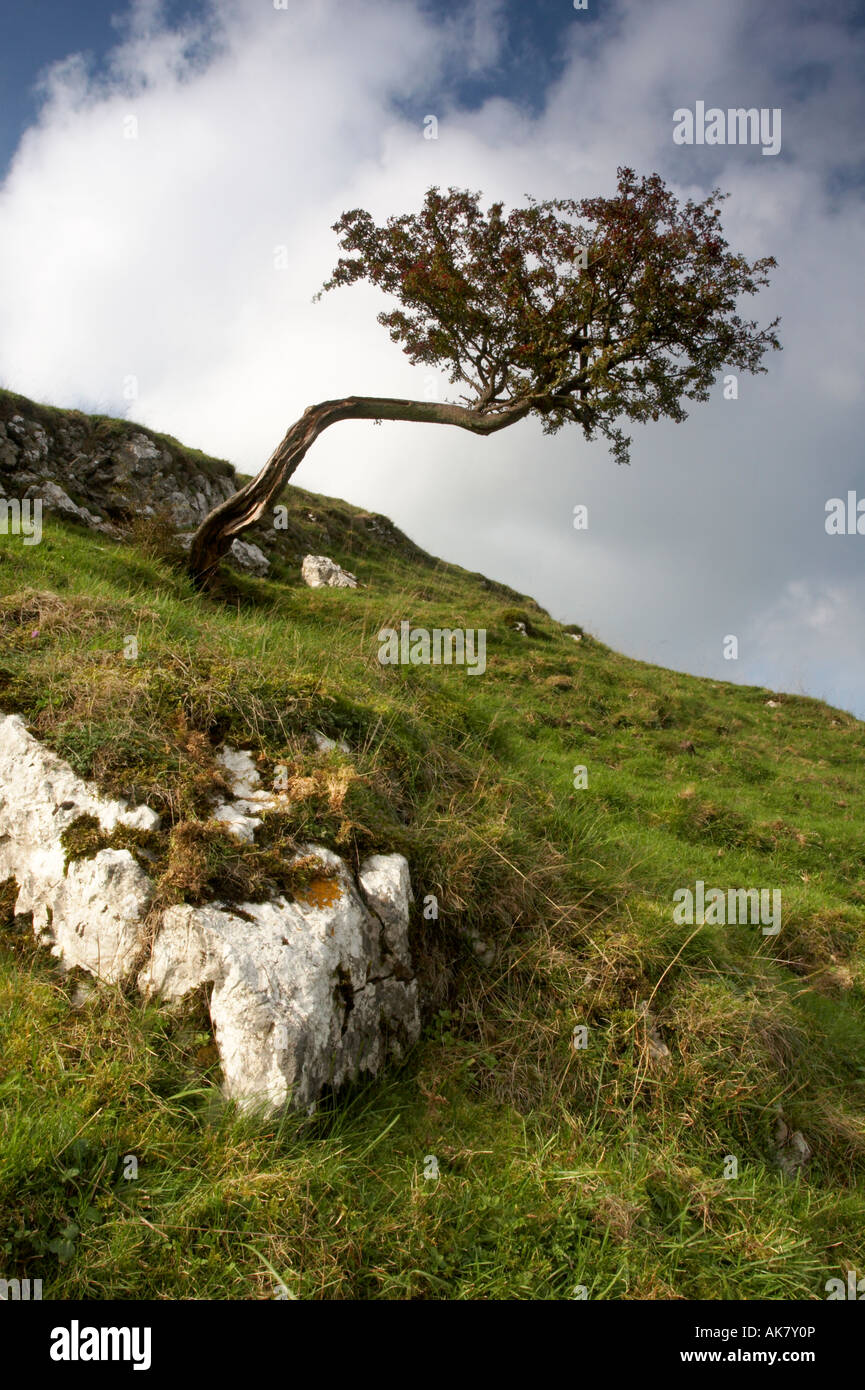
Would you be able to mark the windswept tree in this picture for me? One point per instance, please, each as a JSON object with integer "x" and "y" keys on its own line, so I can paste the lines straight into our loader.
{"x": 592, "y": 312}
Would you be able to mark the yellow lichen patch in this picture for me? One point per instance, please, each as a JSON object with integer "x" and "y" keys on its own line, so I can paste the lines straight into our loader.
{"x": 319, "y": 892}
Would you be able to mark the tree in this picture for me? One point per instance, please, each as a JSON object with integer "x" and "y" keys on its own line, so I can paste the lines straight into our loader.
{"x": 588, "y": 312}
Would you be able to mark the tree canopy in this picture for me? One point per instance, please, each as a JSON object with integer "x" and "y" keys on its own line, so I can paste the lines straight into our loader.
{"x": 591, "y": 311}
{"x": 594, "y": 312}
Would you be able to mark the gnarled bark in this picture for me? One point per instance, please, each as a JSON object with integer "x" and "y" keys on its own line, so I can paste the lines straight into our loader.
{"x": 214, "y": 536}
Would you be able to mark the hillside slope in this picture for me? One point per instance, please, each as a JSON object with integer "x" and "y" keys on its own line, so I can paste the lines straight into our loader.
{"x": 500, "y": 1160}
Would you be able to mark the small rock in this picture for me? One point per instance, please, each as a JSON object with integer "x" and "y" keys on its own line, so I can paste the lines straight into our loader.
{"x": 238, "y": 824}
{"x": 327, "y": 745}
{"x": 318, "y": 571}
{"x": 83, "y": 991}
{"x": 792, "y": 1151}
{"x": 54, "y": 499}
{"x": 483, "y": 950}
{"x": 250, "y": 558}
{"x": 657, "y": 1048}
{"x": 241, "y": 774}
{"x": 139, "y": 448}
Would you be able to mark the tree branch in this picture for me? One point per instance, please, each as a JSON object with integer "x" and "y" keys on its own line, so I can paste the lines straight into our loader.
{"x": 213, "y": 538}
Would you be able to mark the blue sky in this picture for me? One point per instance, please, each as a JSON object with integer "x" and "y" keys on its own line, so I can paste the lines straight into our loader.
{"x": 532, "y": 54}
{"x": 37, "y": 35}
{"x": 148, "y": 182}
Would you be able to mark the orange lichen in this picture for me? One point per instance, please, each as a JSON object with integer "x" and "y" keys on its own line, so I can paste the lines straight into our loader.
{"x": 319, "y": 892}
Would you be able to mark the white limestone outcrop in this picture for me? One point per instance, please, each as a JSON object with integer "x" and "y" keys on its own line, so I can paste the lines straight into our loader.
{"x": 305, "y": 993}
{"x": 92, "y": 915}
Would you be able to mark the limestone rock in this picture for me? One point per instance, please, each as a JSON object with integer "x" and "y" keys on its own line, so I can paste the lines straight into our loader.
{"x": 98, "y": 913}
{"x": 246, "y": 556}
{"x": 239, "y": 770}
{"x": 30, "y": 438}
{"x": 242, "y": 816}
{"x": 305, "y": 994}
{"x": 386, "y": 886}
{"x": 54, "y": 499}
{"x": 327, "y": 745}
{"x": 318, "y": 571}
{"x": 92, "y": 914}
{"x": 250, "y": 558}
{"x": 238, "y": 821}
{"x": 116, "y": 474}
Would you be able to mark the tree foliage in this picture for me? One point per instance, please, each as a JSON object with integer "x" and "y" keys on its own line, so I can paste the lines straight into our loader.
{"x": 590, "y": 311}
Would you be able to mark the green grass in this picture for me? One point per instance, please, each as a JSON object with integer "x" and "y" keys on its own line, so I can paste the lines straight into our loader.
{"x": 601, "y": 1167}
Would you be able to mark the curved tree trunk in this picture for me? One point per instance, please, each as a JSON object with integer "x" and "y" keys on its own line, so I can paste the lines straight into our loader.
{"x": 214, "y": 536}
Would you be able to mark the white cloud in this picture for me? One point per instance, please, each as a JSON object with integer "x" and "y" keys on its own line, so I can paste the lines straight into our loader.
{"x": 810, "y": 639}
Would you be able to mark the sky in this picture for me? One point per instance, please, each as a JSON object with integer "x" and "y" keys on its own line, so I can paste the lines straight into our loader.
{"x": 170, "y": 173}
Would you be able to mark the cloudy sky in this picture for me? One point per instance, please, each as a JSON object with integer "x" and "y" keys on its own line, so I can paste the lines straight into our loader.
{"x": 170, "y": 174}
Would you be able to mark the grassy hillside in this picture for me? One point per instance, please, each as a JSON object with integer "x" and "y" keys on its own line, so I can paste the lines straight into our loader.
{"x": 558, "y": 1167}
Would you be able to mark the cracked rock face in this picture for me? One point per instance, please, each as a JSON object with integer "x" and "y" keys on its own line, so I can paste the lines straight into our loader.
{"x": 112, "y": 478}
{"x": 304, "y": 994}
{"x": 54, "y": 499}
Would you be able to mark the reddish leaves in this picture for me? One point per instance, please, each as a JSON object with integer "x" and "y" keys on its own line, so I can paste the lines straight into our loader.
{"x": 505, "y": 305}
